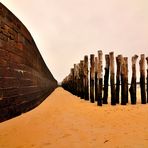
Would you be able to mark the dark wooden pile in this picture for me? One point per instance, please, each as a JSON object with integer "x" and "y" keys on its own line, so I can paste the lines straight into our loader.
{"x": 119, "y": 85}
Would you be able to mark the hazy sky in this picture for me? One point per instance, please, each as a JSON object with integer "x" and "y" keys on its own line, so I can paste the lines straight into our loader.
{"x": 66, "y": 30}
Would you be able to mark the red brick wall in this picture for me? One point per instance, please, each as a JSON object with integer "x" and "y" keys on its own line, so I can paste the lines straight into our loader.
{"x": 25, "y": 80}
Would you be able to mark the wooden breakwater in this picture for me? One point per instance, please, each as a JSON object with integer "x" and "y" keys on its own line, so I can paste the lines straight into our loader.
{"x": 117, "y": 80}
{"x": 25, "y": 80}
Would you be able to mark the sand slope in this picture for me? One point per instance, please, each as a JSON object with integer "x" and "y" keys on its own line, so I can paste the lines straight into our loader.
{"x": 64, "y": 121}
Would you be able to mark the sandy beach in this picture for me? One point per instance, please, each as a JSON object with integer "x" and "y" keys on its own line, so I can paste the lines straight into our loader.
{"x": 64, "y": 121}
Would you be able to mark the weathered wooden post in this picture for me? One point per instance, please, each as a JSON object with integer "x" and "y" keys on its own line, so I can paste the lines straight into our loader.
{"x": 96, "y": 79}
{"x": 100, "y": 71}
{"x": 75, "y": 79}
{"x": 72, "y": 81}
{"x": 78, "y": 80}
{"x": 68, "y": 83}
{"x": 92, "y": 75}
{"x": 142, "y": 79}
{"x": 81, "y": 79}
{"x": 118, "y": 62}
{"x": 112, "y": 79}
{"x": 86, "y": 85}
{"x": 147, "y": 78}
{"x": 126, "y": 78}
{"x": 64, "y": 83}
{"x": 106, "y": 79}
{"x": 133, "y": 88}
{"x": 123, "y": 82}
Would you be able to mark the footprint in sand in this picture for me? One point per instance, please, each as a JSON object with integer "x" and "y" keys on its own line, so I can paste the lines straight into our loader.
{"x": 106, "y": 141}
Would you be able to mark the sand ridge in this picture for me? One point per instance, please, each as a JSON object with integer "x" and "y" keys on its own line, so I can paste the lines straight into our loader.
{"x": 64, "y": 121}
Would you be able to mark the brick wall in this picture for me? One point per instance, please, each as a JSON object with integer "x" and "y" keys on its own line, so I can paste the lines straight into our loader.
{"x": 25, "y": 80}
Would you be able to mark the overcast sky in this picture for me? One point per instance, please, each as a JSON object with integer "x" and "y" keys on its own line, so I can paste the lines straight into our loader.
{"x": 66, "y": 30}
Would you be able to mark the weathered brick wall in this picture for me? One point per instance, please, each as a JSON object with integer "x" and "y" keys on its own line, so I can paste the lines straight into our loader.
{"x": 25, "y": 80}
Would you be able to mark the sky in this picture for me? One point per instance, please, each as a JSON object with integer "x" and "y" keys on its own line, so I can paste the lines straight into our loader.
{"x": 66, "y": 30}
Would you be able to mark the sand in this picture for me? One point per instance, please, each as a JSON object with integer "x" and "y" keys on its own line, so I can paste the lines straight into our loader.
{"x": 66, "y": 121}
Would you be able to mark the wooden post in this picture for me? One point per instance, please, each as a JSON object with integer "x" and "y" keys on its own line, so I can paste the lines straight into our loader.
{"x": 100, "y": 71}
{"x": 81, "y": 80}
{"x": 123, "y": 82}
{"x": 142, "y": 79}
{"x": 118, "y": 61}
{"x": 112, "y": 79}
{"x": 86, "y": 86}
{"x": 106, "y": 79}
{"x": 96, "y": 79}
{"x": 75, "y": 81}
{"x": 69, "y": 81}
{"x": 72, "y": 81}
{"x": 126, "y": 78}
{"x": 92, "y": 75}
{"x": 78, "y": 80}
{"x": 147, "y": 78}
{"x": 132, "y": 88}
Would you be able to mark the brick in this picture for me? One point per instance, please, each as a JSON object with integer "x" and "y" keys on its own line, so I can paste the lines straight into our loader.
{"x": 25, "y": 80}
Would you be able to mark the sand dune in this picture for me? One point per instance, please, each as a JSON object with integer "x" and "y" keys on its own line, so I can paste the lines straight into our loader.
{"x": 64, "y": 121}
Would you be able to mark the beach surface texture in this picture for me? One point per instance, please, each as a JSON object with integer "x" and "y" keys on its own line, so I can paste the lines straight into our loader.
{"x": 66, "y": 121}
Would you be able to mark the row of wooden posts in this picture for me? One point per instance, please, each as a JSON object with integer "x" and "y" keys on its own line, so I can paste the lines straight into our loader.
{"x": 96, "y": 88}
